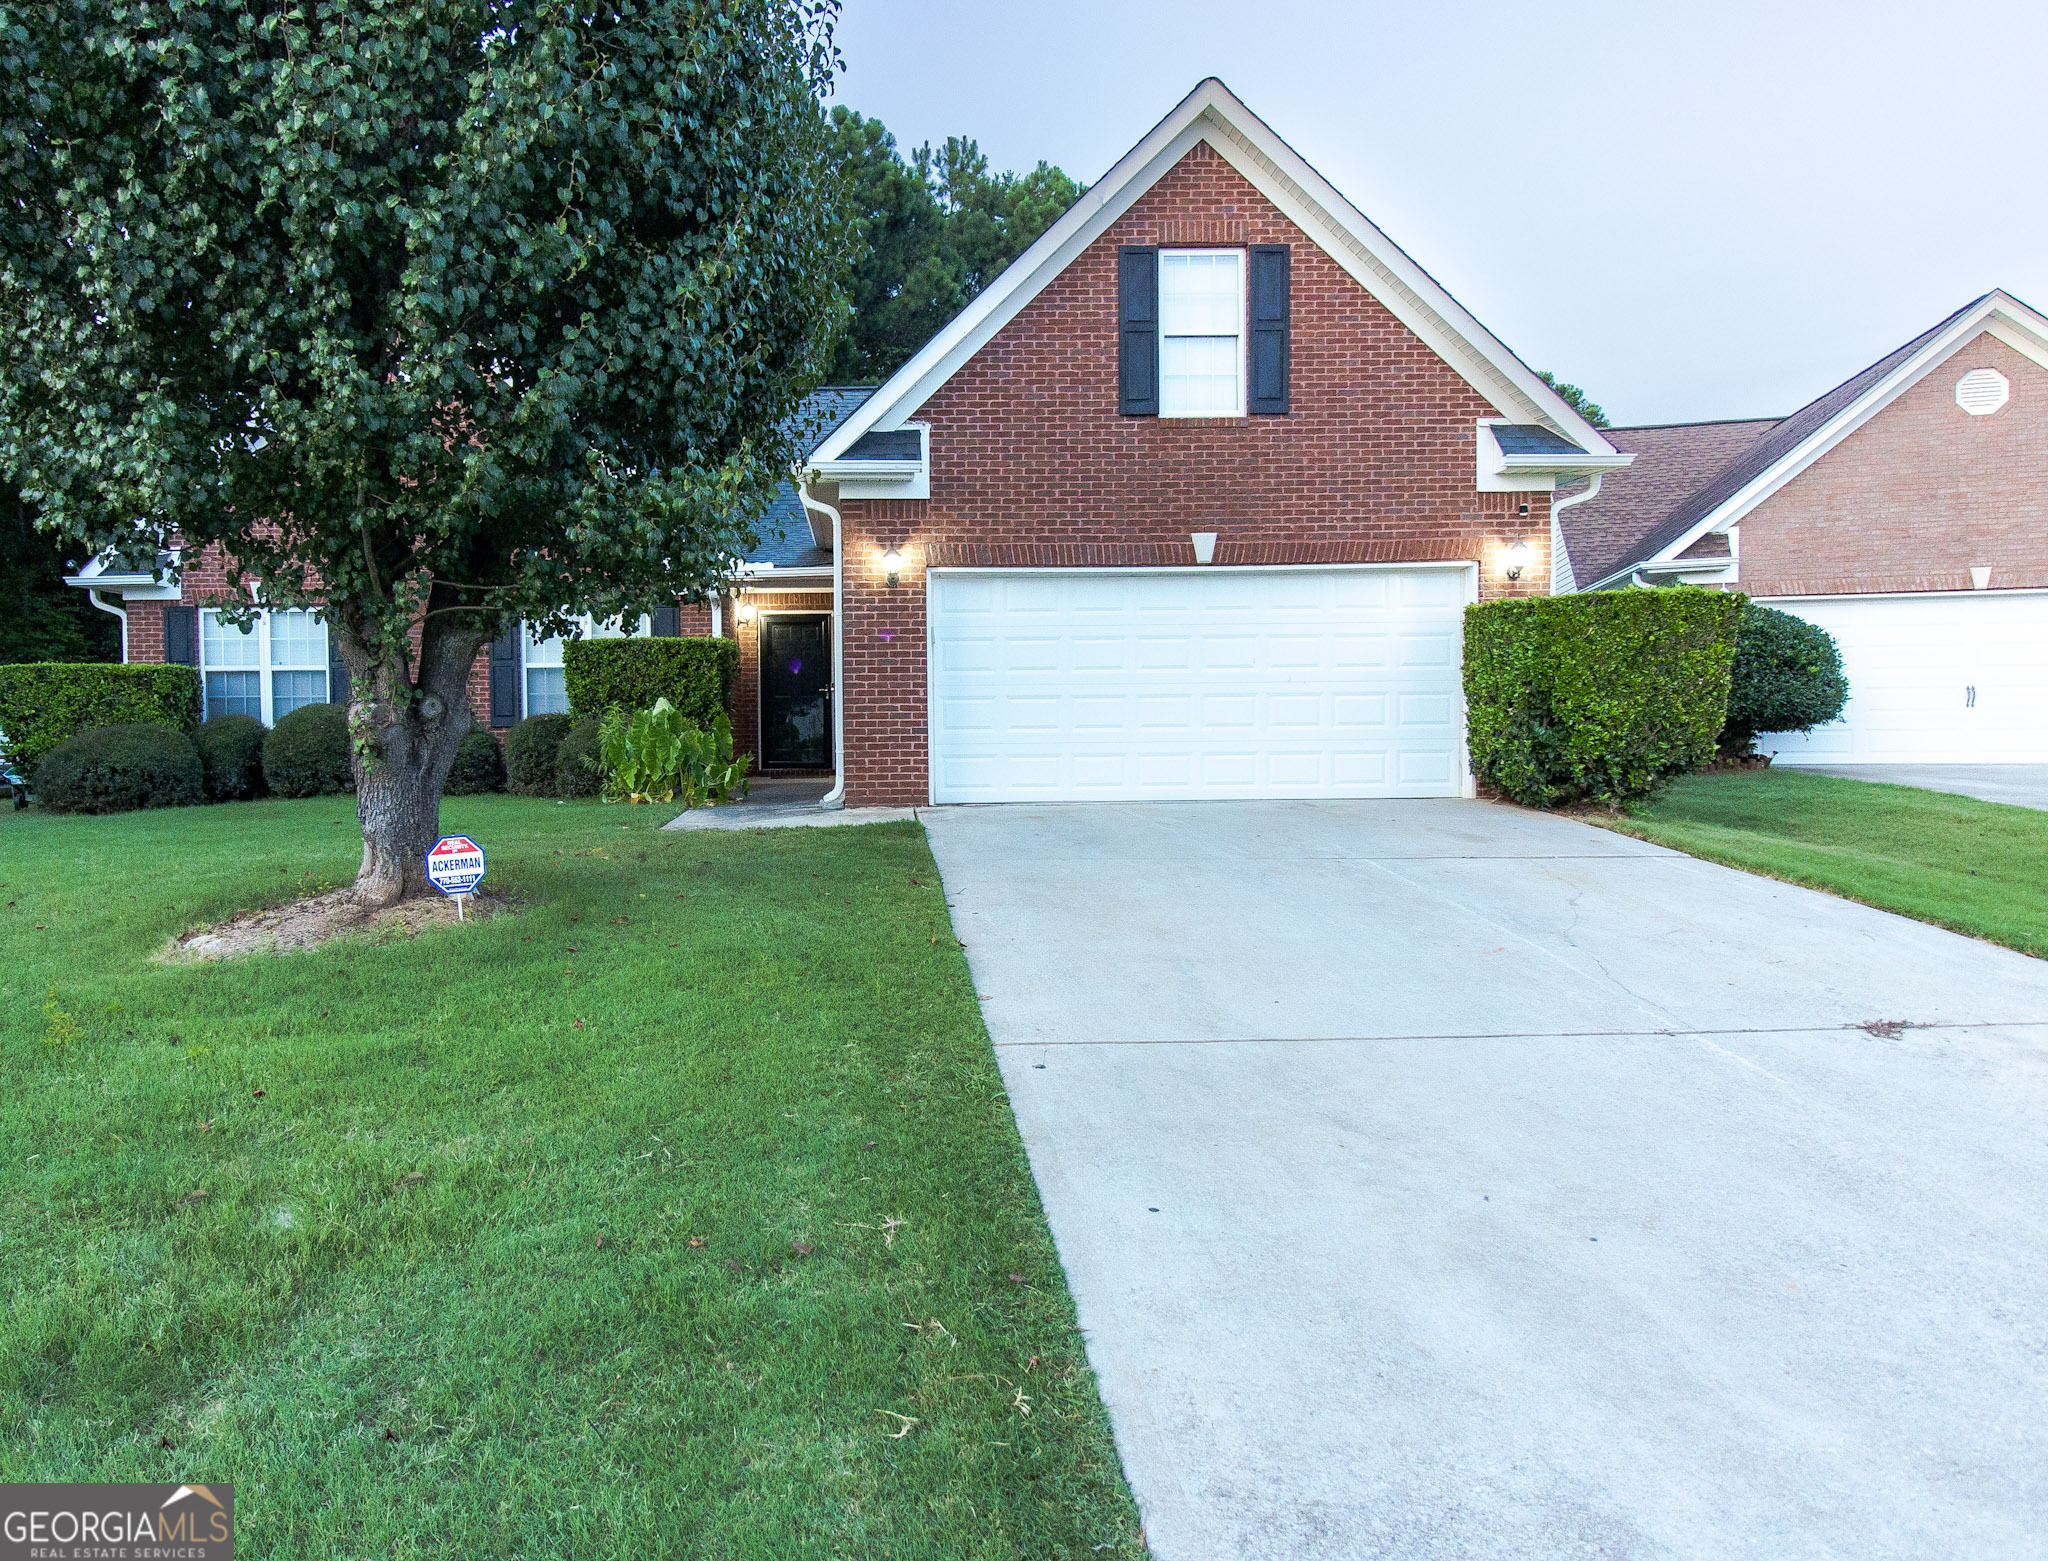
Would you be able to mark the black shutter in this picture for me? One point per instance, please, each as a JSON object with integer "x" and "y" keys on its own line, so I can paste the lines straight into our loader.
{"x": 1270, "y": 330}
{"x": 181, "y": 636}
{"x": 505, "y": 677}
{"x": 668, "y": 622}
{"x": 1137, "y": 330}
{"x": 337, "y": 673}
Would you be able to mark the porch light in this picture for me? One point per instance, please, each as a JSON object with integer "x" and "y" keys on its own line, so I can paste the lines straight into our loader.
{"x": 892, "y": 564}
{"x": 745, "y": 612}
{"x": 1516, "y": 557}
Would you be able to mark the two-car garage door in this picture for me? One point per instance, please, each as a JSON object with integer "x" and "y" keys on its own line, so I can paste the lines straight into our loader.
{"x": 1084, "y": 684}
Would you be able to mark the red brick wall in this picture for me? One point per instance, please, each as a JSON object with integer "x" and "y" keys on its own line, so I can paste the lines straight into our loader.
{"x": 1916, "y": 496}
{"x": 1033, "y": 465}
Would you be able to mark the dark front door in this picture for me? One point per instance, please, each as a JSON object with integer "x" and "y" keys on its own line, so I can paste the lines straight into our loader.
{"x": 796, "y": 692}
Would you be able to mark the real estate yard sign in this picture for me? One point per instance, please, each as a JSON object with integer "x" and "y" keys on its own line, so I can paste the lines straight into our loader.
{"x": 455, "y": 866}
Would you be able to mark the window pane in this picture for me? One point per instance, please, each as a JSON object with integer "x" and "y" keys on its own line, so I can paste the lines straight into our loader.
{"x": 290, "y": 690}
{"x": 234, "y": 693}
{"x": 1199, "y": 294}
{"x": 297, "y": 639}
{"x": 543, "y": 653}
{"x": 545, "y": 694}
{"x": 1198, "y": 374}
{"x": 224, "y": 645}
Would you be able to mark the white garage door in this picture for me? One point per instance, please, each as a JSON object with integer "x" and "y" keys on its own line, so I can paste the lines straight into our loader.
{"x": 1103, "y": 684}
{"x": 1954, "y": 678}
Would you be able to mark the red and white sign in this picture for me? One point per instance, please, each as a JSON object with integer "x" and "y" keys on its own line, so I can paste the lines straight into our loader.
{"x": 455, "y": 865}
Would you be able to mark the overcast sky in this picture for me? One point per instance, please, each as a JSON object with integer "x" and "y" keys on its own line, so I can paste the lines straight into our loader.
{"x": 1697, "y": 211}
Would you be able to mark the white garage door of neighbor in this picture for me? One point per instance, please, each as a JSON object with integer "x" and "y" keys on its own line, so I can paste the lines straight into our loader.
{"x": 1952, "y": 678}
{"x": 1082, "y": 684}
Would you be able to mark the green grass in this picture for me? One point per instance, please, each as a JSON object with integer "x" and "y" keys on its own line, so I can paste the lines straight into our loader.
{"x": 498, "y": 1253}
{"x": 1977, "y": 867}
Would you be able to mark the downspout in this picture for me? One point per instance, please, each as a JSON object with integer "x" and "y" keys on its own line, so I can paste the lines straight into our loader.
{"x": 1558, "y": 549}
{"x": 718, "y": 613}
{"x": 836, "y": 797}
{"x": 118, "y": 612}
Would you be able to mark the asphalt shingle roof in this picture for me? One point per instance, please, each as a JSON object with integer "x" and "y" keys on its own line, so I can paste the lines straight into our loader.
{"x": 786, "y": 540}
{"x": 1532, "y": 439}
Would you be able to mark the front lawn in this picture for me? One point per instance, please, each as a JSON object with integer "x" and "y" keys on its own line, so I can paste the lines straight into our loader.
{"x": 679, "y": 1214}
{"x": 1977, "y": 867}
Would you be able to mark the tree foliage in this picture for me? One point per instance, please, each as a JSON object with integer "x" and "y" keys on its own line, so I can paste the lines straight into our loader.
{"x": 439, "y": 313}
{"x": 934, "y": 229}
{"x": 1576, "y": 399}
{"x": 42, "y": 618}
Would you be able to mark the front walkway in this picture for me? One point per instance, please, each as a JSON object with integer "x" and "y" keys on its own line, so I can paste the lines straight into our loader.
{"x": 1445, "y": 1180}
{"x": 773, "y": 802}
{"x": 2021, "y": 785}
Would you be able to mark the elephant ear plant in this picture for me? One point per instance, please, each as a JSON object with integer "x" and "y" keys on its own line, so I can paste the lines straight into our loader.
{"x": 434, "y": 316}
{"x": 661, "y": 755}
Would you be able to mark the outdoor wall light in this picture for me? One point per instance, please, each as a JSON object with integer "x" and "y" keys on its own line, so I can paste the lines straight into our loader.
{"x": 892, "y": 564}
{"x": 1516, "y": 557}
{"x": 746, "y": 612}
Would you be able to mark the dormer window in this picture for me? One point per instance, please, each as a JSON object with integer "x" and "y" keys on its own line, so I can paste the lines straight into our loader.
{"x": 1201, "y": 332}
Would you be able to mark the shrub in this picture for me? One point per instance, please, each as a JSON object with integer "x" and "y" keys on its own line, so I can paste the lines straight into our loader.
{"x": 306, "y": 753}
{"x": 579, "y": 765}
{"x": 1599, "y": 697}
{"x": 44, "y": 702}
{"x": 479, "y": 765}
{"x": 531, "y": 748}
{"x": 694, "y": 675}
{"x": 231, "y": 753}
{"x": 1788, "y": 677}
{"x": 112, "y": 769}
{"x": 661, "y": 755}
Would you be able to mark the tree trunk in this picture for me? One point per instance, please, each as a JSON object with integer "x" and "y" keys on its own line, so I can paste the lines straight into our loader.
{"x": 405, "y": 740}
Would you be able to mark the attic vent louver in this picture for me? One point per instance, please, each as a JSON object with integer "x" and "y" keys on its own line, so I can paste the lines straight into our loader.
{"x": 1982, "y": 392}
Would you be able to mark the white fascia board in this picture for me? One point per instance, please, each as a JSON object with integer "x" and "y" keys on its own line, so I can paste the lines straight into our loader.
{"x": 882, "y": 479}
{"x": 1214, "y": 114}
{"x": 2000, "y": 314}
{"x": 767, "y": 577}
{"x": 134, "y": 585}
{"x": 1499, "y": 472}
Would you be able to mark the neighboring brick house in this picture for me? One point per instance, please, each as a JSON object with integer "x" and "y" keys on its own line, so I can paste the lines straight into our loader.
{"x": 1902, "y": 511}
{"x": 1187, "y": 503}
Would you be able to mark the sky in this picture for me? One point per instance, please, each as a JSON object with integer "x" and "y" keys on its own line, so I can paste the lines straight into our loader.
{"x": 1699, "y": 211}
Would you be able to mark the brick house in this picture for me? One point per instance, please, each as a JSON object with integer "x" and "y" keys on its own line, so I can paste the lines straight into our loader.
{"x": 1187, "y": 503}
{"x": 1900, "y": 511}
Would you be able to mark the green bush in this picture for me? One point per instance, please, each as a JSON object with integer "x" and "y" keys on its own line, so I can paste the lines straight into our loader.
{"x": 1599, "y": 697}
{"x": 661, "y": 755}
{"x": 306, "y": 753}
{"x": 114, "y": 769}
{"x": 1788, "y": 678}
{"x": 579, "y": 762}
{"x": 479, "y": 765}
{"x": 231, "y": 753}
{"x": 531, "y": 748}
{"x": 44, "y": 702}
{"x": 694, "y": 675}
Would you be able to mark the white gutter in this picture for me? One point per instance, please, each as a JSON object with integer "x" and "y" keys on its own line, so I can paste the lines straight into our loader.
{"x": 118, "y": 612}
{"x": 836, "y": 797}
{"x": 1557, "y": 509}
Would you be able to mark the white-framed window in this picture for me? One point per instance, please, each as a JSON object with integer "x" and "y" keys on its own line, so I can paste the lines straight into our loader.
{"x": 541, "y": 676}
{"x": 1201, "y": 332}
{"x": 267, "y": 670}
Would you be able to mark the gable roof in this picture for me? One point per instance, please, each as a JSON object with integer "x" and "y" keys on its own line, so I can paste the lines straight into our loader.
{"x": 1214, "y": 114}
{"x": 1673, "y": 461}
{"x": 786, "y": 540}
{"x": 1791, "y": 445}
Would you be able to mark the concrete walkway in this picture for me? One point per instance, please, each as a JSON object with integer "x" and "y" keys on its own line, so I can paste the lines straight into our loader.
{"x": 774, "y": 802}
{"x": 1443, "y": 1180}
{"x": 2021, "y": 785}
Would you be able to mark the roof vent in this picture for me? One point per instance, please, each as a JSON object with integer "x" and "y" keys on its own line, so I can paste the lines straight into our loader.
{"x": 1982, "y": 392}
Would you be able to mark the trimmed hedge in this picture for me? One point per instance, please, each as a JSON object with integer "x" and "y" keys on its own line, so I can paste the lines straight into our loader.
{"x": 1788, "y": 678}
{"x": 231, "y": 752}
{"x": 1599, "y": 697}
{"x": 579, "y": 762}
{"x": 531, "y": 748}
{"x": 306, "y": 753}
{"x": 115, "y": 769}
{"x": 44, "y": 702}
{"x": 479, "y": 765}
{"x": 694, "y": 675}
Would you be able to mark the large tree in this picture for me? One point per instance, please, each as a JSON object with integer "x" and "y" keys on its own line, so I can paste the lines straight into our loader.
{"x": 42, "y": 618}
{"x": 933, "y": 230}
{"x": 437, "y": 313}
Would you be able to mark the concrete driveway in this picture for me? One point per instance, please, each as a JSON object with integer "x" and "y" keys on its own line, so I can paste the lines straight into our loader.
{"x": 2021, "y": 785}
{"x": 1437, "y": 1179}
